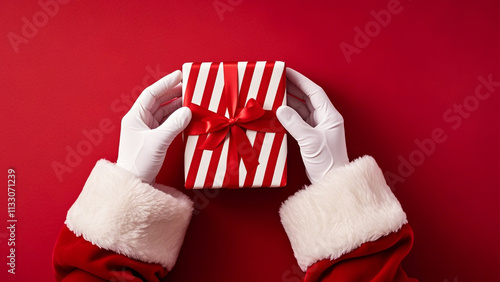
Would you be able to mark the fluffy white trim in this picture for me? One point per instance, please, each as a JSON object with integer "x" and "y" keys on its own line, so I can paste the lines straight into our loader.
{"x": 348, "y": 207}
{"x": 118, "y": 212}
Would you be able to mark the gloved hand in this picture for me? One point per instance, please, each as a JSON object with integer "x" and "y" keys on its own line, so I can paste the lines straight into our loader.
{"x": 316, "y": 125}
{"x": 149, "y": 127}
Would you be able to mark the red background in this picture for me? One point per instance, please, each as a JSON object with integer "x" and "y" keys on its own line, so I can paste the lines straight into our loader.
{"x": 394, "y": 92}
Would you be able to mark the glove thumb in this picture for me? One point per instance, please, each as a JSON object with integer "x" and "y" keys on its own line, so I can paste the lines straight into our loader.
{"x": 293, "y": 123}
{"x": 173, "y": 125}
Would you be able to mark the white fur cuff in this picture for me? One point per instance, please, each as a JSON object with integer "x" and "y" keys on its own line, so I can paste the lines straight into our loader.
{"x": 350, "y": 206}
{"x": 118, "y": 212}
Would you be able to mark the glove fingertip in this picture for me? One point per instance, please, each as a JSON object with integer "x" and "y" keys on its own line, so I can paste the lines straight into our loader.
{"x": 283, "y": 113}
{"x": 287, "y": 115}
{"x": 183, "y": 117}
{"x": 177, "y": 75}
{"x": 291, "y": 121}
{"x": 177, "y": 121}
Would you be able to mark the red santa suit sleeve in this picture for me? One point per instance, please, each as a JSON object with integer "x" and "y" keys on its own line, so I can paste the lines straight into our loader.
{"x": 121, "y": 229}
{"x": 348, "y": 227}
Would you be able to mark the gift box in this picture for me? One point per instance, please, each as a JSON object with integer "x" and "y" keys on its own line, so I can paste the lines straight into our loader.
{"x": 234, "y": 138}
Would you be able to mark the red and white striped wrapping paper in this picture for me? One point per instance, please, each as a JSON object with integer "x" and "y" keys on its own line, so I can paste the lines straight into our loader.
{"x": 203, "y": 85}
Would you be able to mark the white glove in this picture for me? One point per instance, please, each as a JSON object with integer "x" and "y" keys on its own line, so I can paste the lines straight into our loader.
{"x": 149, "y": 127}
{"x": 321, "y": 136}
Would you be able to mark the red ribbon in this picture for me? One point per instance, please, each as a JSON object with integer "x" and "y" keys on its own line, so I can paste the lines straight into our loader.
{"x": 251, "y": 116}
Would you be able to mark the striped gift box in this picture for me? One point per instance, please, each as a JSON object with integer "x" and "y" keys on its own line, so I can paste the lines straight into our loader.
{"x": 205, "y": 85}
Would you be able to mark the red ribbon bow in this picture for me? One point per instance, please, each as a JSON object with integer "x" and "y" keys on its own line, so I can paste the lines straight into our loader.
{"x": 252, "y": 116}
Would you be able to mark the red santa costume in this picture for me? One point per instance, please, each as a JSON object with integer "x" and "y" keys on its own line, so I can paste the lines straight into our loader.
{"x": 348, "y": 226}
